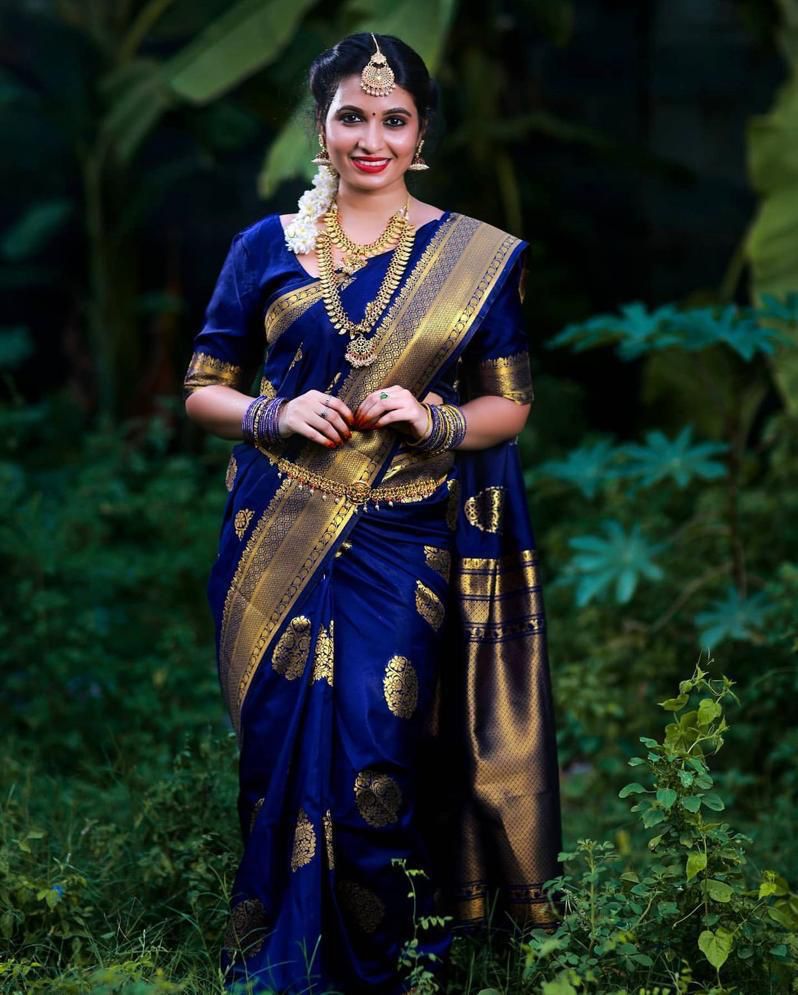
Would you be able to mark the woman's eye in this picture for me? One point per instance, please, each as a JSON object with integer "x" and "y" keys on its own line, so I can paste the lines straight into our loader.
{"x": 395, "y": 122}
{"x": 350, "y": 118}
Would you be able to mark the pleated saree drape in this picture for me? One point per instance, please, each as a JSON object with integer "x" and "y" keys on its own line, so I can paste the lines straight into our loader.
{"x": 380, "y": 630}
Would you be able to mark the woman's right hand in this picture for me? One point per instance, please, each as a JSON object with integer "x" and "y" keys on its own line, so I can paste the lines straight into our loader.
{"x": 302, "y": 415}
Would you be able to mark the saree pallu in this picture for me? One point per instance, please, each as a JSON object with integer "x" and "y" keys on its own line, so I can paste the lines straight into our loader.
{"x": 380, "y": 640}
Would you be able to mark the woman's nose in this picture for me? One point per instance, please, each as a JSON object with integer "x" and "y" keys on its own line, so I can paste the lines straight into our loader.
{"x": 372, "y": 137}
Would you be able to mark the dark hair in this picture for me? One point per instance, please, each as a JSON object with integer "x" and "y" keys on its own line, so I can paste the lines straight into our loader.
{"x": 352, "y": 53}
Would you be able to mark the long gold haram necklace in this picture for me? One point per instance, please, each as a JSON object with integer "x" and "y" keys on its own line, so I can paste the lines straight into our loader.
{"x": 360, "y": 351}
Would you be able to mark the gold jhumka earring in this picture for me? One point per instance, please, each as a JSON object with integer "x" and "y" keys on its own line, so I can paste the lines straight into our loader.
{"x": 418, "y": 162}
{"x": 377, "y": 77}
{"x": 323, "y": 157}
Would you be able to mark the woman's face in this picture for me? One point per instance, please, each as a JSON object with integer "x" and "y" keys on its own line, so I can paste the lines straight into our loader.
{"x": 371, "y": 140}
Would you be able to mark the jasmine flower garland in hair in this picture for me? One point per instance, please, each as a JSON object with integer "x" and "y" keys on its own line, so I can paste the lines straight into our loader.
{"x": 300, "y": 235}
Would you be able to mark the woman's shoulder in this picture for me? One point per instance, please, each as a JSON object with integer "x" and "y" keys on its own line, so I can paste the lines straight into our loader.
{"x": 260, "y": 242}
{"x": 423, "y": 213}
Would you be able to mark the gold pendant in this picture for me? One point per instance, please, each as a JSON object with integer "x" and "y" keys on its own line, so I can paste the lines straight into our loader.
{"x": 360, "y": 351}
{"x": 351, "y": 264}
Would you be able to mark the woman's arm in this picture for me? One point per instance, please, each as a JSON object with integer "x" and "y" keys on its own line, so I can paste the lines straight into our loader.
{"x": 491, "y": 419}
{"x": 218, "y": 409}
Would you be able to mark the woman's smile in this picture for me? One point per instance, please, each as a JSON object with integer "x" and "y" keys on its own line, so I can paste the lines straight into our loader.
{"x": 370, "y": 164}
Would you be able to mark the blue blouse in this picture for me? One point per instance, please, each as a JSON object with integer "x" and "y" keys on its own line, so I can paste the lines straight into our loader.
{"x": 259, "y": 269}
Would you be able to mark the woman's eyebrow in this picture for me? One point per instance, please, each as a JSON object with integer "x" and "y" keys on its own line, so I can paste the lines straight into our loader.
{"x": 359, "y": 110}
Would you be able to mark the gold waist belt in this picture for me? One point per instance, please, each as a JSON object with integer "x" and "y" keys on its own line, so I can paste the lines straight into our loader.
{"x": 358, "y": 491}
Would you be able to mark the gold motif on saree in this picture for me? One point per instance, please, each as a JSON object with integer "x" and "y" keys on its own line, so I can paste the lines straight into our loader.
{"x": 439, "y": 559}
{"x": 484, "y": 509}
{"x": 242, "y": 520}
{"x": 327, "y": 827}
{"x": 254, "y": 815}
{"x": 378, "y": 797}
{"x": 362, "y": 904}
{"x": 267, "y": 388}
{"x": 452, "y": 505}
{"x": 246, "y": 928}
{"x": 304, "y": 841}
{"x": 429, "y": 605}
{"x": 506, "y": 376}
{"x": 297, "y": 358}
{"x": 204, "y": 370}
{"x": 400, "y": 686}
{"x": 346, "y": 544}
{"x": 292, "y": 649}
{"x": 323, "y": 656}
{"x": 458, "y": 370}
{"x": 230, "y": 476}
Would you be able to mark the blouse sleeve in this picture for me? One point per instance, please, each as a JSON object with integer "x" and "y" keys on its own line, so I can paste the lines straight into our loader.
{"x": 229, "y": 348}
{"x": 496, "y": 360}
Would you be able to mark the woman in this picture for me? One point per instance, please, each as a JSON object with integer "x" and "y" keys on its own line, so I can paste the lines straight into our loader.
{"x": 380, "y": 630}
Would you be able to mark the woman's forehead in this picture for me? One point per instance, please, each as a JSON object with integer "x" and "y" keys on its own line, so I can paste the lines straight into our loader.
{"x": 350, "y": 93}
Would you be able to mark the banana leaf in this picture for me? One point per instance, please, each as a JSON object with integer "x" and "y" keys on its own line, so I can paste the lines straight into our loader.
{"x": 772, "y": 242}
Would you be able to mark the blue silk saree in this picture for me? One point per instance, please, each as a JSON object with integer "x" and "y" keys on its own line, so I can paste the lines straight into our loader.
{"x": 380, "y": 629}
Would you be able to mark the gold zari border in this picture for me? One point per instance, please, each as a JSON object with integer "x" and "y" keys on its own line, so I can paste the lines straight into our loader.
{"x": 500, "y": 598}
{"x": 506, "y": 376}
{"x": 287, "y": 307}
{"x": 433, "y": 310}
{"x": 527, "y": 904}
{"x": 204, "y": 370}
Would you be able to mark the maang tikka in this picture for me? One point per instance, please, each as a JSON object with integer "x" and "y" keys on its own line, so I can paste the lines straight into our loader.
{"x": 377, "y": 77}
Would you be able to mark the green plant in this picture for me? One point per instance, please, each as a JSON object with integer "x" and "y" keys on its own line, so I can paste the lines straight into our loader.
{"x": 412, "y": 956}
{"x": 698, "y": 910}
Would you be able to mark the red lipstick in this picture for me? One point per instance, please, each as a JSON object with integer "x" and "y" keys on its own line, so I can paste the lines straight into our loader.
{"x": 370, "y": 164}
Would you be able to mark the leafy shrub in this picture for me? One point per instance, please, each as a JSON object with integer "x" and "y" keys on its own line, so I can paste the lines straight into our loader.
{"x": 698, "y": 916}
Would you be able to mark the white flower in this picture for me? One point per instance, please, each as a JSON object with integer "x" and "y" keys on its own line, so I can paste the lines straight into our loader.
{"x": 300, "y": 235}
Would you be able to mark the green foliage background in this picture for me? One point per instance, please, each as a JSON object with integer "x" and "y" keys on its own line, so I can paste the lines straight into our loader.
{"x": 666, "y": 539}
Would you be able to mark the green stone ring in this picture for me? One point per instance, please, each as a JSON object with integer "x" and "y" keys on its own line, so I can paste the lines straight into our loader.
{"x": 383, "y": 394}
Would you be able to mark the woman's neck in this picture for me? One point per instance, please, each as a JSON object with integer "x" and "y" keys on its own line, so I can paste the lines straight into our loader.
{"x": 369, "y": 210}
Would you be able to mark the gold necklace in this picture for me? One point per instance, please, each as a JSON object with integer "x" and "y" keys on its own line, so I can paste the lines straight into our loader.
{"x": 360, "y": 351}
{"x": 356, "y": 254}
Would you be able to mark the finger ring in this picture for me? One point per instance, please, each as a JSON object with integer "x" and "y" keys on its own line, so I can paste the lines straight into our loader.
{"x": 383, "y": 394}
{"x": 322, "y": 414}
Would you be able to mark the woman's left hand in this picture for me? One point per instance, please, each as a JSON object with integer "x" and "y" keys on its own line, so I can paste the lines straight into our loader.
{"x": 400, "y": 409}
